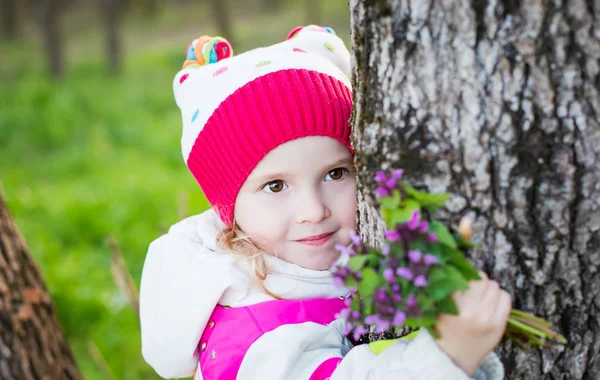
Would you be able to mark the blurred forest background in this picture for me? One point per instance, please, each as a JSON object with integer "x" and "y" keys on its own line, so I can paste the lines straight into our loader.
{"x": 90, "y": 162}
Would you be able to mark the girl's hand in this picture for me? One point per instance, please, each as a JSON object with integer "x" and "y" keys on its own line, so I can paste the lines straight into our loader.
{"x": 470, "y": 336}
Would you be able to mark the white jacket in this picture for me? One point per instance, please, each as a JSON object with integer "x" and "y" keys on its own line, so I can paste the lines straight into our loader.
{"x": 185, "y": 277}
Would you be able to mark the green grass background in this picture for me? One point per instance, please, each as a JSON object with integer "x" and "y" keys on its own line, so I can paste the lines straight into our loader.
{"x": 95, "y": 155}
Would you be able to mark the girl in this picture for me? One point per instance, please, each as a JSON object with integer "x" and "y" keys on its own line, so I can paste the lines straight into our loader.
{"x": 245, "y": 290}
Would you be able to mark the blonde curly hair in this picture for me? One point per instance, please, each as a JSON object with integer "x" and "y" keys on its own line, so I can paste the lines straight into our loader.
{"x": 233, "y": 241}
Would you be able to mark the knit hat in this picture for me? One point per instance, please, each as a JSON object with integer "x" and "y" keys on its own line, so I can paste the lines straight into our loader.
{"x": 235, "y": 110}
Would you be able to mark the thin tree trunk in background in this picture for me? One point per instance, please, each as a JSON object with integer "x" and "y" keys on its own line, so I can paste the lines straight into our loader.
{"x": 111, "y": 12}
{"x": 8, "y": 9}
{"x": 312, "y": 12}
{"x": 49, "y": 17}
{"x": 222, "y": 13}
{"x": 32, "y": 344}
{"x": 496, "y": 102}
{"x": 151, "y": 7}
{"x": 270, "y": 5}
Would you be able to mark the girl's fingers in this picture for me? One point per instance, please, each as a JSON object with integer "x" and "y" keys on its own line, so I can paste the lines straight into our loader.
{"x": 490, "y": 300}
{"x": 504, "y": 308}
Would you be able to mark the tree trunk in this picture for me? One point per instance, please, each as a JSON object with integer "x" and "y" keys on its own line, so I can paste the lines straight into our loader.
{"x": 49, "y": 17}
{"x": 312, "y": 12}
{"x": 222, "y": 14}
{"x": 111, "y": 12}
{"x": 32, "y": 344}
{"x": 8, "y": 8}
{"x": 496, "y": 102}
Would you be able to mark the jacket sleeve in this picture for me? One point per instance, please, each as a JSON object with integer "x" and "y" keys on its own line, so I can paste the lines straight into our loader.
{"x": 416, "y": 359}
{"x": 310, "y": 351}
{"x": 182, "y": 281}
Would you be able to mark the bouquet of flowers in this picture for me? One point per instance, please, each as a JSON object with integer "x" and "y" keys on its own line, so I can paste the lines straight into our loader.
{"x": 411, "y": 278}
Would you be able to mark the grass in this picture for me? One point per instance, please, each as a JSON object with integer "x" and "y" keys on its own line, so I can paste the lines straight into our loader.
{"x": 96, "y": 155}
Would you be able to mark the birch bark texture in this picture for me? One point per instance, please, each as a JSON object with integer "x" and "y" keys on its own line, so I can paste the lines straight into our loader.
{"x": 496, "y": 102}
{"x": 32, "y": 343}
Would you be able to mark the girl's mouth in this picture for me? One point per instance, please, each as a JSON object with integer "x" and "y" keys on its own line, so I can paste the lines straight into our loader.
{"x": 316, "y": 240}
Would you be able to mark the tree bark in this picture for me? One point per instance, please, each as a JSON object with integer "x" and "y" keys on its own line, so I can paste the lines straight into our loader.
{"x": 111, "y": 12}
{"x": 496, "y": 102}
{"x": 8, "y": 8}
{"x": 312, "y": 12}
{"x": 222, "y": 15}
{"x": 32, "y": 344}
{"x": 50, "y": 11}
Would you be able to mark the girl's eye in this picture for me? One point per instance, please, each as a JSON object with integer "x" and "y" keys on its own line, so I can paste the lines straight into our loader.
{"x": 274, "y": 186}
{"x": 335, "y": 174}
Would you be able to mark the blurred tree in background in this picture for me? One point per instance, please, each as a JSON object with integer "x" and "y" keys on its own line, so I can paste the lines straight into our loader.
{"x": 8, "y": 9}
{"x": 91, "y": 165}
{"x": 32, "y": 341}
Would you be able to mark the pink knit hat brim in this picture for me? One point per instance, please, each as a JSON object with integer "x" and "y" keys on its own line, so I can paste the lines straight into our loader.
{"x": 262, "y": 114}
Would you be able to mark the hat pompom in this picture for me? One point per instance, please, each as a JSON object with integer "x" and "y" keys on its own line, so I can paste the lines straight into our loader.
{"x": 206, "y": 50}
{"x": 315, "y": 28}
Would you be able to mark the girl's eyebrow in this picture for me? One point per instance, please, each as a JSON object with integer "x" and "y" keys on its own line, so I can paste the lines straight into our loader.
{"x": 342, "y": 162}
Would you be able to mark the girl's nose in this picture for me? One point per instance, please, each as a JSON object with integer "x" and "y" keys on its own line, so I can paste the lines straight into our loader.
{"x": 312, "y": 209}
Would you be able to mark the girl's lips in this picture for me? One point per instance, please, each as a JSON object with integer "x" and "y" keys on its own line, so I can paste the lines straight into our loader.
{"x": 316, "y": 240}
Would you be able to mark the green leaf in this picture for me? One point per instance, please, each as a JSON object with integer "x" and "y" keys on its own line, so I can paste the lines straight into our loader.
{"x": 425, "y": 320}
{"x": 351, "y": 282}
{"x": 443, "y": 235}
{"x": 367, "y": 306}
{"x": 457, "y": 258}
{"x": 368, "y": 283}
{"x": 437, "y": 274}
{"x": 440, "y": 290}
{"x": 425, "y": 303}
{"x": 391, "y": 202}
{"x": 402, "y": 215}
{"x": 455, "y": 278}
{"x": 427, "y": 200}
{"x": 447, "y": 306}
{"x": 357, "y": 262}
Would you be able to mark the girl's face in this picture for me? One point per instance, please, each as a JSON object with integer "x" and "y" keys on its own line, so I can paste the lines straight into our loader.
{"x": 300, "y": 201}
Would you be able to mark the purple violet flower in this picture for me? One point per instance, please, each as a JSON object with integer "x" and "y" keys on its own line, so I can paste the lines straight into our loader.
{"x": 380, "y": 295}
{"x": 430, "y": 260}
{"x": 397, "y": 298}
{"x": 405, "y": 272}
{"x": 392, "y": 235}
{"x": 356, "y": 240}
{"x": 371, "y": 319}
{"x": 414, "y": 221}
{"x": 338, "y": 281}
{"x": 380, "y": 177}
{"x": 399, "y": 318}
{"x": 421, "y": 281}
{"x": 347, "y": 328}
{"x": 344, "y": 313}
{"x": 388, "y": 274}
{"x": 397, "y": 174}
{"x": 359, "y": 331}
{"x": 385, "y": 250}
{"x": 355, "y": 314}
{"x": 411, "y": 301}
{"x": 382, "y": 192}
{"x": 414, "y": 255}
{"x": 395, "y": 288}
{"x": 432, "y": 238}
{"x": 382, "y": 325}
{"x": 424, "y": 226}
{"x": 391, "y": 183}
{"x": 345, "y": 250}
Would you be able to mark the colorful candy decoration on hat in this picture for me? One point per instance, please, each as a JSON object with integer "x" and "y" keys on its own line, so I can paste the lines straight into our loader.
{"x": 315, "y": 28}
{"x": 206, "y": 50}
